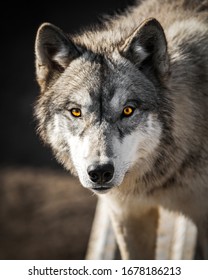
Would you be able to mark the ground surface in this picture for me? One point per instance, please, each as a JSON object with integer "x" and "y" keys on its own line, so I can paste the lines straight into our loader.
{"x": 44, "y": 214}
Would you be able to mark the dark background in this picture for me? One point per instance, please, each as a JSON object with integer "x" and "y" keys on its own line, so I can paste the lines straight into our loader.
{"x": 44, "y": 212}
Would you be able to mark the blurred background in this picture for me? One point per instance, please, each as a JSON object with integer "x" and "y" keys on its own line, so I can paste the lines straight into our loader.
{"x": 44, "y": 212}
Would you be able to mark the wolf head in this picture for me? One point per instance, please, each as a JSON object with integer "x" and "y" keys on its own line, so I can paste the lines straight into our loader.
{"x": 102, "y": 112}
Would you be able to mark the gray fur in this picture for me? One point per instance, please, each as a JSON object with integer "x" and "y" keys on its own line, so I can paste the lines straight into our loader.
{"x": 158, "y": 67}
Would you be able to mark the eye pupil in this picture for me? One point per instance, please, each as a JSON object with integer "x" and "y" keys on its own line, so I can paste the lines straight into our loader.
{"x": 76, "y": 112}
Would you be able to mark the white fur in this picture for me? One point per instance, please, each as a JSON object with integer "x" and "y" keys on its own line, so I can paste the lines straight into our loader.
{"x": 135, "y": 149}
{"x": 54, "y": 131}
{"x": 141, "y": 52}
{"x": 61, "y": 55}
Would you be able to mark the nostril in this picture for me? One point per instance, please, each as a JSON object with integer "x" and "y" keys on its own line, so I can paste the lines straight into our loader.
{"x": 107, "y": 176}
{"x": 94, "y": 176}
{"x": 101, "y": 173}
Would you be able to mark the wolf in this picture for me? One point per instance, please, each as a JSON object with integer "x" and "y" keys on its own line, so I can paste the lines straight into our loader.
{"x": 124, "y": 107}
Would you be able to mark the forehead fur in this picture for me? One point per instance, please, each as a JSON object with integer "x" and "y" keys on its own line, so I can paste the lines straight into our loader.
{"x": 102, "y": 78}
{"x": 82, "y": 72}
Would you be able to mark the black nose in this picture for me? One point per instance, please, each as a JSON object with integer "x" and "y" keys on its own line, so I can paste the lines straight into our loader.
{"x": 100, "y": 173}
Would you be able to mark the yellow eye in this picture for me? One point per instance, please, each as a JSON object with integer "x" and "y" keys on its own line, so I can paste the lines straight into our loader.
{"x": 76, "y": 112}
{"x": 128, "y": 111}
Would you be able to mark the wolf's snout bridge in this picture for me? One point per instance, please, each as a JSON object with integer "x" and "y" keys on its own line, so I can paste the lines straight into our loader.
{"x": 100, "y": 173}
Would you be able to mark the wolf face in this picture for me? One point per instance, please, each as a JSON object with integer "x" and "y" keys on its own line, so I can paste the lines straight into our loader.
{"x": 101, "y": 111}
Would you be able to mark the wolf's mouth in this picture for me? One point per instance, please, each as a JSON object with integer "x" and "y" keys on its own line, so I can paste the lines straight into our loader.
{"x": 101, "y": 189}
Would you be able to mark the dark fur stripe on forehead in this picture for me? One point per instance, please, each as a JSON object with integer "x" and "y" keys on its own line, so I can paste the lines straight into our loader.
{"x": 104, "y": 73}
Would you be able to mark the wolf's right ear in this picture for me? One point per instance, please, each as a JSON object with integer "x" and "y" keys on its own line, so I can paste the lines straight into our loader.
{"x": 54, "y": 51}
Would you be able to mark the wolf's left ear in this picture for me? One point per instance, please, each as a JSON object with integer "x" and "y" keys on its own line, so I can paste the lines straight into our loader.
{"x": 54, "y": 51}
{"x": 147, "y": 48}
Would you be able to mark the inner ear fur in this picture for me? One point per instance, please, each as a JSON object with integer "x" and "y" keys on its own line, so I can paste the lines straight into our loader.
{"x": 146, "y": 47}
{"x": 54, "y": 51}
